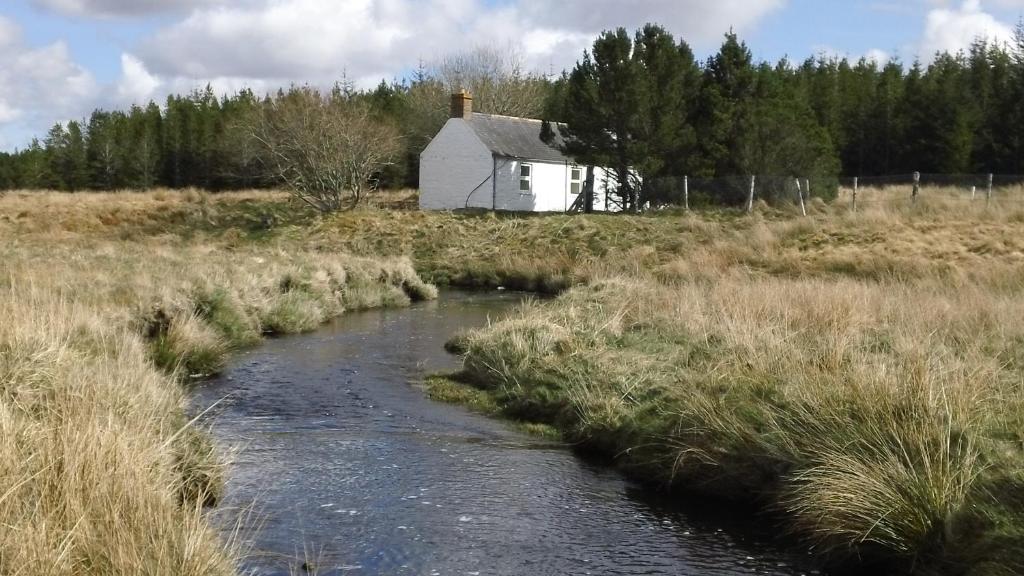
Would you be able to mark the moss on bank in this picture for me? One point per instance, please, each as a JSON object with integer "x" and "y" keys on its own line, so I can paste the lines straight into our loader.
{"x": 449, "y": 389}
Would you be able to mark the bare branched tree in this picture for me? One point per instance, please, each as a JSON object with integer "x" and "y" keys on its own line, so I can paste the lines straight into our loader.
{"x": 498, "y": 80}
{"x": 325, "y": 148}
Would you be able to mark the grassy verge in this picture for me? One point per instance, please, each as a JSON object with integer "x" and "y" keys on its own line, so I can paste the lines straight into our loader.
{"x": 883, "y": 420}
{"x": 942, "y": 236}
{"x": 101, "y": 471}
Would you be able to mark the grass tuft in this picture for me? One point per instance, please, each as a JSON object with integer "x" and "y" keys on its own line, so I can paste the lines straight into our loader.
{"x": 872, "y": 416}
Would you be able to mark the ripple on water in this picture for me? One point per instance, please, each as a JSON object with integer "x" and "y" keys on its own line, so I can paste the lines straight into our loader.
{"x": 350, "y": 466}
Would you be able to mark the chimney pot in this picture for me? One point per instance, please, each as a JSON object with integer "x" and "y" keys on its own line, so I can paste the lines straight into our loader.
{"x": 462, "y": 105}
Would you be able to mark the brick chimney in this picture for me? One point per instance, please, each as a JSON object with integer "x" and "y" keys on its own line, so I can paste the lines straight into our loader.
{"x": 462, "y": 105}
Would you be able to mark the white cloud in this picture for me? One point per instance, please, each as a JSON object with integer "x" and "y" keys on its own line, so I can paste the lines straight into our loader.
{"x": 8, "y": 113}
{"x": 880, "y": 57}
{"x": 265, "y": 44}
{"x": 954, "y": 29}
{"x": 136, "y": 85}
{"x": 107, "y": 8}
{"x": 39, "y": 86}
{"x": 316, "y": 40}
{"x": 699, "y": 21}
{"x": 9, "y": 32}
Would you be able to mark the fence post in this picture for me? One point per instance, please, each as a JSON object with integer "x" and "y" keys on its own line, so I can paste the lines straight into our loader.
{"x": 750, "y": 198}
{"x": 800, "y": 193}
{"x": 917, "y": 187}
{"x": 974, "y": 193}
{"x": 856, "y": 182}
{"x": 988, "y": 196}
{"x": 686, "y": 192}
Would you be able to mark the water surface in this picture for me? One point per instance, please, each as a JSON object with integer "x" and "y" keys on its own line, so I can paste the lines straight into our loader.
{"x": 352, "y": 470}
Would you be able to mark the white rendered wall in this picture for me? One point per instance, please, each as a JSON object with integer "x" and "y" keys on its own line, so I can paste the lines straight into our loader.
{"x": 604, "y": 180}
{"x": 549, "y": 185}
{"x": 550, "y": 191}
{"x": 453, "y": 165}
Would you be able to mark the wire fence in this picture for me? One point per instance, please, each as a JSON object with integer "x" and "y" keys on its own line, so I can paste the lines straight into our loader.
{"x": 853, "y": 192}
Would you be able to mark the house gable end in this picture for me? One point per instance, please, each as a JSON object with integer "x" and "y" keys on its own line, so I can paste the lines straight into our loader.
{"x": 453, "y": 133}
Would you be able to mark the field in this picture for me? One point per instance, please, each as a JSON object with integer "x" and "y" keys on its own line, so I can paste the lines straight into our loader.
{"x": 859, "y": 375}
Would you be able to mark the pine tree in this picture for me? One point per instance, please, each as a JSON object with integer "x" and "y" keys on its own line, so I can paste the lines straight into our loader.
{"x": 8, "y": 178}
{"x": 55, "y": 150}
{"x": 725, "y": 104}
{"x": 33, "y": 167}
{"x": 143, "y": 159}
{"x": 670, "y": 84}
{"x": 104, "y": 150}
{"x": 76, "y": 168}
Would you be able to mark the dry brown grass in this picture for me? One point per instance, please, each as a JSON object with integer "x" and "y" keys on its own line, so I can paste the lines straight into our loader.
{"x": 883, "y": 418}
{"x": 859, "y": 372}
{"x": 91, "y": 450}
{"x": 101, "y": 471}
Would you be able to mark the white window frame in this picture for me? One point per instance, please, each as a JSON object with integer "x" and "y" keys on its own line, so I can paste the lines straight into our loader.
{"x": 577, "y": 181}
{"x": 527, "y": 179}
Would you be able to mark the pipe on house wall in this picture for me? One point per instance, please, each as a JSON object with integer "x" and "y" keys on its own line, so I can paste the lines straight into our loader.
{"x": 565, "y": 187}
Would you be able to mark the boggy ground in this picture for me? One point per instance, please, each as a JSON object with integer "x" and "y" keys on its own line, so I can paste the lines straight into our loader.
{"x": 858, "y": 375}
{"x": 101, "y": 471}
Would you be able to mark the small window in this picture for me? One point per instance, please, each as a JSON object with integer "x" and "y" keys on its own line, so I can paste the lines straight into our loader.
{"x": 525, "y": 177}
{"x": 575, "y": 180}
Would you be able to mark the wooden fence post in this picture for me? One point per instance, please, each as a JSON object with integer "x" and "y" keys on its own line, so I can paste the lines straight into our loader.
{"x": 856, "y": 182}
{"x": 917, "y": 187}
{"x": 750, "y": 198}
{"x": 988, "y": 196}
{"x": 686, "y": 192}
{"x": 800, "y": 193}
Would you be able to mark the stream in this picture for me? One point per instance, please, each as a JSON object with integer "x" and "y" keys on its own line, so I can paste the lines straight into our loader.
{"x": 341, "y": 465}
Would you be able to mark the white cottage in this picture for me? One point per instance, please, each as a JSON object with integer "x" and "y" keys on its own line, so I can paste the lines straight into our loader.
{"x": 501, "y": 163}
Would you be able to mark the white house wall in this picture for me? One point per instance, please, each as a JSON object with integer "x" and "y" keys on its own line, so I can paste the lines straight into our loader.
{"x": 550, "y": 190}
{"x": 454, "y": 167}
{"x": 548, "y": 193}
{"x": 604, "y": 180}
{"x": 456, "y": 172}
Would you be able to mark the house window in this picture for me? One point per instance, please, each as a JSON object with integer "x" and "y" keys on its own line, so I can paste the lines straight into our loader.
{"x": 526, "y": 178}
{"x": 575, "y": 180}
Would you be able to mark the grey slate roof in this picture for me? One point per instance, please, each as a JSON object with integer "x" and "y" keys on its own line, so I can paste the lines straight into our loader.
{"x": 516, "y": 137}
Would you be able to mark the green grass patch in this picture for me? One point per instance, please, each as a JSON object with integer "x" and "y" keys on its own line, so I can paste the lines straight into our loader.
{"x": 450, "y": 390}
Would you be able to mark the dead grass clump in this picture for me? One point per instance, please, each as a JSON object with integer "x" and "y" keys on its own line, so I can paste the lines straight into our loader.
{"x": 873, "y": 414}
{"x": 87, "y": 456}
{"x": 102, "y": 472}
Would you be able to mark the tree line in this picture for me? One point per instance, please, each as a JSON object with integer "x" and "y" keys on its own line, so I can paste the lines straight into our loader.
{"x": 646, "y": 106}
{"x": 219, "y": 143}
{"x": 642, "y": 100}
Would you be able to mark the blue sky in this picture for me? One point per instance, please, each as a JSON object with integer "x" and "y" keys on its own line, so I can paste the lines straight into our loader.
{"x": 59, "y": 59}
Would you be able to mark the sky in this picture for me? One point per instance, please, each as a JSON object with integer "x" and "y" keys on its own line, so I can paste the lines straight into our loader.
{"x": 61, "y": 59}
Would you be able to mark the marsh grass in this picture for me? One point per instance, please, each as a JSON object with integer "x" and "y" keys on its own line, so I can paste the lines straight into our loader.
{"x": 858, "y": 374}
{"x": 451, "y": 390}
{"x": 874, "y": 416}
{"x": 101, "y": 471}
